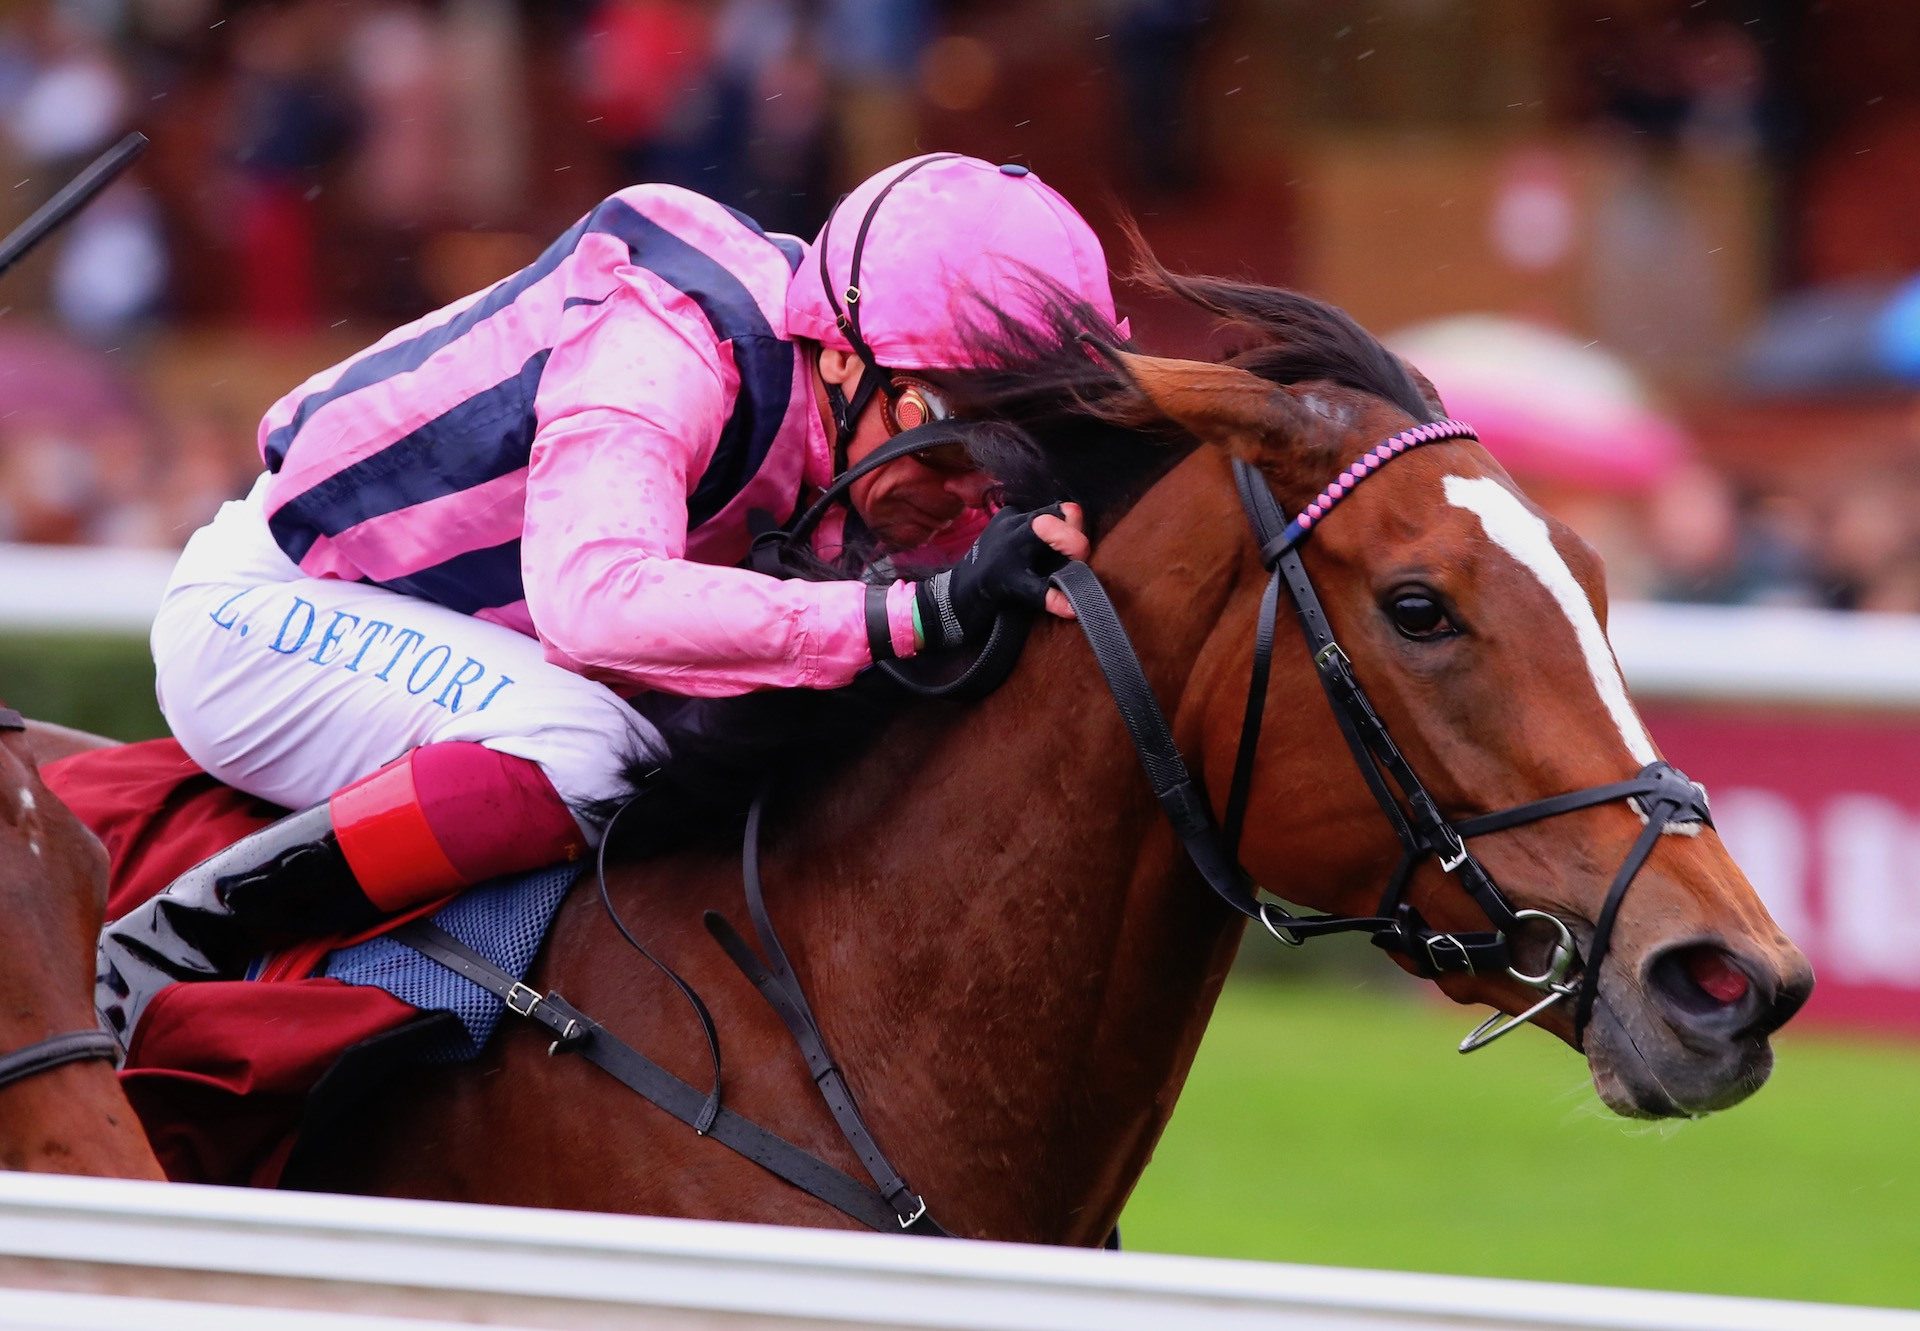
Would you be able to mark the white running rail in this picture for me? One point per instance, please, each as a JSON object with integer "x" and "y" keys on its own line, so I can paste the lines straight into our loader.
{"x": 104, "y": 1255}
{"x": 80, "y": 588}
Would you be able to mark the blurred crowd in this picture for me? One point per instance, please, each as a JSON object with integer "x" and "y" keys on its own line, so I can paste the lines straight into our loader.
{"x": 1700, "y": 537}
{"x": 324, "y": 169}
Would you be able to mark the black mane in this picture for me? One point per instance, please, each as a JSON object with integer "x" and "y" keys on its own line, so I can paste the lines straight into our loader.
{"x": 1296, "y": 339}
{"x": 1052, "y": 417}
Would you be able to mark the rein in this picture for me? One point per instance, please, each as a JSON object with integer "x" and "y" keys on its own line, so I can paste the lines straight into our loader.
{"x": 56, "y": 1050}
{"x": 988, "y": 668}
{"x": 1660, "y": 792}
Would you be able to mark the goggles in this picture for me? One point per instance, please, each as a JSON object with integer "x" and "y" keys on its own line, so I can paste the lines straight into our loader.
{"x": 909, "y": 403}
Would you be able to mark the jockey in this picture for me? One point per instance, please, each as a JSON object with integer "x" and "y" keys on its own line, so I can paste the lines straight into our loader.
{"x": 476, "y": 539}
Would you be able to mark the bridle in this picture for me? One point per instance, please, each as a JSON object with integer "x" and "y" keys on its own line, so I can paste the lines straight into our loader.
{"x": 56, "y": 1050}
{"x": 1662, "y": 794}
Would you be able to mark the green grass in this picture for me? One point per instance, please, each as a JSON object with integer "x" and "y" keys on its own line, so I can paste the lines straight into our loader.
{"x": 1329, "y": 1125}
{"x": 97, "y": 682}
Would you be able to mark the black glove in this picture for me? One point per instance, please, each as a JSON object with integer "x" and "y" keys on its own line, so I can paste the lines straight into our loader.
{"x": 1007, "y": 566}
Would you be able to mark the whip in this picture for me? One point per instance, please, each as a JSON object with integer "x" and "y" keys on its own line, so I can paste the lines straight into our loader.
{"x": 70, "y": 200}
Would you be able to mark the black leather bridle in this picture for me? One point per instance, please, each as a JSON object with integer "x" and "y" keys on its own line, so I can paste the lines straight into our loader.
{"x": 56, "y": 1050}
{"x": 1663, "y": 795}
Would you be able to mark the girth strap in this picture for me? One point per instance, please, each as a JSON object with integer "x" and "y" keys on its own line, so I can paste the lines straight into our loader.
{"x": 781, "y": 988}
{"x": 577, "y": 1033}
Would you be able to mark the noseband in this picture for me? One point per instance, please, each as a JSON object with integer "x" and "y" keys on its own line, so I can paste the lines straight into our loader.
{"x": 56, "y": 1050}
{"x": 1660, "y": 793}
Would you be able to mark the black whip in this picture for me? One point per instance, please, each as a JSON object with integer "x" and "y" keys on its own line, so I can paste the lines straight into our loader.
{"x": 77, "y": 195}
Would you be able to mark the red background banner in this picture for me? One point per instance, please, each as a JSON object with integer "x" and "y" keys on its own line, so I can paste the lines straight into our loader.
{"x": 1822, "y": 810}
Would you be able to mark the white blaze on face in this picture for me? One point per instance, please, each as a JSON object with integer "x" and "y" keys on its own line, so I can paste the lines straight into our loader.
{"x": 1508, "y": 525}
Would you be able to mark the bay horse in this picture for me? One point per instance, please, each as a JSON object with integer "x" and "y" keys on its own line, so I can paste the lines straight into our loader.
{"x": 61, "y": 1109}
{"x": 1010, "y": 955}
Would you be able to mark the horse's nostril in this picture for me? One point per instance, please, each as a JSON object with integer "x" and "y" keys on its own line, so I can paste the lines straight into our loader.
{"x": 1715, "y": 973}
{"x": 1705, "y": 986}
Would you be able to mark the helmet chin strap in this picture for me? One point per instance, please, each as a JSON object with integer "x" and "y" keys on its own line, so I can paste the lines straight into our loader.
{"x": 846, "y": 310}
{"x": 847, "y": 410}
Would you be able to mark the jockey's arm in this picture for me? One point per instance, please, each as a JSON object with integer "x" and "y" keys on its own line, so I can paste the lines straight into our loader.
{"x": 630, "y": 412}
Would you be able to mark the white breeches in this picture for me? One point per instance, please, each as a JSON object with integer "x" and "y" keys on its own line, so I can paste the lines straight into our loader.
{"x": 290, "y": 687}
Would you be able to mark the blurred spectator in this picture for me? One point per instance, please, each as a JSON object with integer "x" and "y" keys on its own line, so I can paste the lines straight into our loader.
{"x": 1157, "y": 45}
{"x": 70, "y": 93}
{"x": 1709, "y": 547}
{"x": 111, "y": 273}
{"x": 772, "y": 110}
{"x": 873, "y": 50}
{"x": 1873, "y": 546}
{"x": 646, "y": 67}
{"x": 290, "y": 120}
{"x": 392, "y": 58}
{"x": 329, "y": 168}
{"x": 1689, "y": 82}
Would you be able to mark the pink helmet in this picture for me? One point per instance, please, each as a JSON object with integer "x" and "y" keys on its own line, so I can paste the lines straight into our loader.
{"x": 891, "y": 272}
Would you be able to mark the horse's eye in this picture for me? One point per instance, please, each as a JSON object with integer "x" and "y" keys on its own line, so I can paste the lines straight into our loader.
{"x": 1417, "y": 613}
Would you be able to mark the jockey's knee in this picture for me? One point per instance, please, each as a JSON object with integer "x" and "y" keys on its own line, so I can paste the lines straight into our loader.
{"x": 588, "y": 746}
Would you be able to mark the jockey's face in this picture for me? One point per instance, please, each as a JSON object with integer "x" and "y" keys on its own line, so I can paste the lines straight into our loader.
{"x": 906, "y": 503}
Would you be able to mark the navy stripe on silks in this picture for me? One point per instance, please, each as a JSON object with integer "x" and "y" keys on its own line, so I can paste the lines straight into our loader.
{"x": 415, "y": 352}
{"x": 790, "y": 248}
{"x": 765, "y": 361}
{"x": 766, "y": 382}
{"x": 478, "y": 580}
{"x": 488, "y": 436}
{"x": 447, "y": 455}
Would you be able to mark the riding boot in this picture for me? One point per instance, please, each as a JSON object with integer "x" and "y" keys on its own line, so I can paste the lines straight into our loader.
{"x": 377, "y": 848}
{"x": 287, "y": 880}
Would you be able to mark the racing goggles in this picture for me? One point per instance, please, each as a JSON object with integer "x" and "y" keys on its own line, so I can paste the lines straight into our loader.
{"x": 909, "y": 403}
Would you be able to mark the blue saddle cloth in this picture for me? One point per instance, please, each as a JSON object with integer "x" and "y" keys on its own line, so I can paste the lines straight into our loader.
{"x": 504, "y": 920}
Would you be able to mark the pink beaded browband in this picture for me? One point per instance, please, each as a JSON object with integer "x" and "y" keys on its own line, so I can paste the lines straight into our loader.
{"x": 1341, "y": 486}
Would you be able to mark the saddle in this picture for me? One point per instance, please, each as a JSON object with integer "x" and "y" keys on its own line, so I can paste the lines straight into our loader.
{"x": 229, "y": 1077}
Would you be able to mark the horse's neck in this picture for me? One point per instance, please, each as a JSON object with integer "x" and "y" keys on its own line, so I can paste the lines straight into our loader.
{"x": 1004, "y": 940}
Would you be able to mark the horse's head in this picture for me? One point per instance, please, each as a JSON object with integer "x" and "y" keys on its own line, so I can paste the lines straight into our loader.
{"x": 1475, "y": 627}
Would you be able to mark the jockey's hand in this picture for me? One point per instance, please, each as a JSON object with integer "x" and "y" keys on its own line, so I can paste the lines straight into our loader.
{"x": 1008, "y": 566}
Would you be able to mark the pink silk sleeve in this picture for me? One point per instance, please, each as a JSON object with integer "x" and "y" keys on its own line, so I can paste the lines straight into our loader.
{"x": 630, "y": 408}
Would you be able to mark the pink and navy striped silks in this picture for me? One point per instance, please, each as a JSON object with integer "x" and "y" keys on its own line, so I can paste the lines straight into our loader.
{"x": 408, "y": 465}
{"x": 575, "y": 453}
{"x": 1341, "y": 486}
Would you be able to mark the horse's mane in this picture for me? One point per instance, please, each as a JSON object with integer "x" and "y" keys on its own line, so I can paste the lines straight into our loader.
{"x": 1053, "y": 417}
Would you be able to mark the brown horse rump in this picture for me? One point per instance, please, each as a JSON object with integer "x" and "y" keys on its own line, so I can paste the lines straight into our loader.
{"x": 225, "y": 1075}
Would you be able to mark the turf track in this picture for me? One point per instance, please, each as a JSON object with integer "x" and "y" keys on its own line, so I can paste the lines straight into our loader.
{"x": 1329, "y": 1124}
